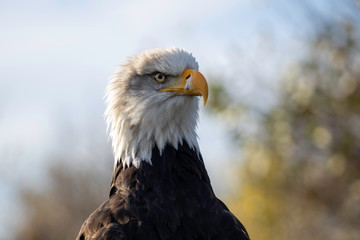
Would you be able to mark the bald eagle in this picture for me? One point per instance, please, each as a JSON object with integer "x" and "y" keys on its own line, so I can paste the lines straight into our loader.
{"x": 160, "y": 188}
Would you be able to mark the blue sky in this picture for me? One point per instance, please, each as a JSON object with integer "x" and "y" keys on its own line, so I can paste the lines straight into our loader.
{"x": 56, "y": 58}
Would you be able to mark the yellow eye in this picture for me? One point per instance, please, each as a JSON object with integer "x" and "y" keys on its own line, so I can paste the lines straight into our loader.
{"x": 159, "y": 77}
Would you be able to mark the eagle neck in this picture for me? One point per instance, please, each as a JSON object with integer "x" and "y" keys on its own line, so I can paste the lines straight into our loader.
{"x": 183, "y": 164}
{"x": 134, "y": 138}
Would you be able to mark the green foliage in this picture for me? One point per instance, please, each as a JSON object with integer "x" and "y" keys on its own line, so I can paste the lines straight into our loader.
{"x": 301, "y": 178}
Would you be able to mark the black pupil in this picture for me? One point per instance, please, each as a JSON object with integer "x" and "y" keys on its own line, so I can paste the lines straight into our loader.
{"x": 160, "y": 76}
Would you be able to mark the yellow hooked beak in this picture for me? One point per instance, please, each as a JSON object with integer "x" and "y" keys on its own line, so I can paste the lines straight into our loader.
{"x": 191, "y": 83}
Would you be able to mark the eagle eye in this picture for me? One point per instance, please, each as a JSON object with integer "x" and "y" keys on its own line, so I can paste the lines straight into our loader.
{"x": 159, "y": 77}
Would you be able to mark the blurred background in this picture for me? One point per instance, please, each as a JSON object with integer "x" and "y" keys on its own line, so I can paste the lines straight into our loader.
{"x": 280, "y": 135}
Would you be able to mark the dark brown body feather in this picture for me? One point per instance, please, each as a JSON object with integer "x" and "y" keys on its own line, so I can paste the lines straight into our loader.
{"x": 170, "y": 199}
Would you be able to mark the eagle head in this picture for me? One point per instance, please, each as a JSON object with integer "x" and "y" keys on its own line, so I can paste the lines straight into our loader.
{"x": 152, "y": 101}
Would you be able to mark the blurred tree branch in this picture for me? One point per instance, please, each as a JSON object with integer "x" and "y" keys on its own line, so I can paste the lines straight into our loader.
{"x": 300, "y": 176}
{"x": 58, "y": 210}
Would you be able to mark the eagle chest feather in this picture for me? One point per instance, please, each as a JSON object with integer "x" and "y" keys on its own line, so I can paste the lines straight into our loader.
{"x": 170, "y": 199}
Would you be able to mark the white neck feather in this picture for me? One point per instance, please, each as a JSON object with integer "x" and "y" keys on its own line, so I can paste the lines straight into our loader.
{"x": 137, "y": 128}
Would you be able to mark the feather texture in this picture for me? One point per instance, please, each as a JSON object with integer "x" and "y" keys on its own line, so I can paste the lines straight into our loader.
{"x": 170, "y": 199}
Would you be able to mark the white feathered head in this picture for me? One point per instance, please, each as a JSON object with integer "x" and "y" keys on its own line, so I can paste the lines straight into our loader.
{"x": 152, "y": 100}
